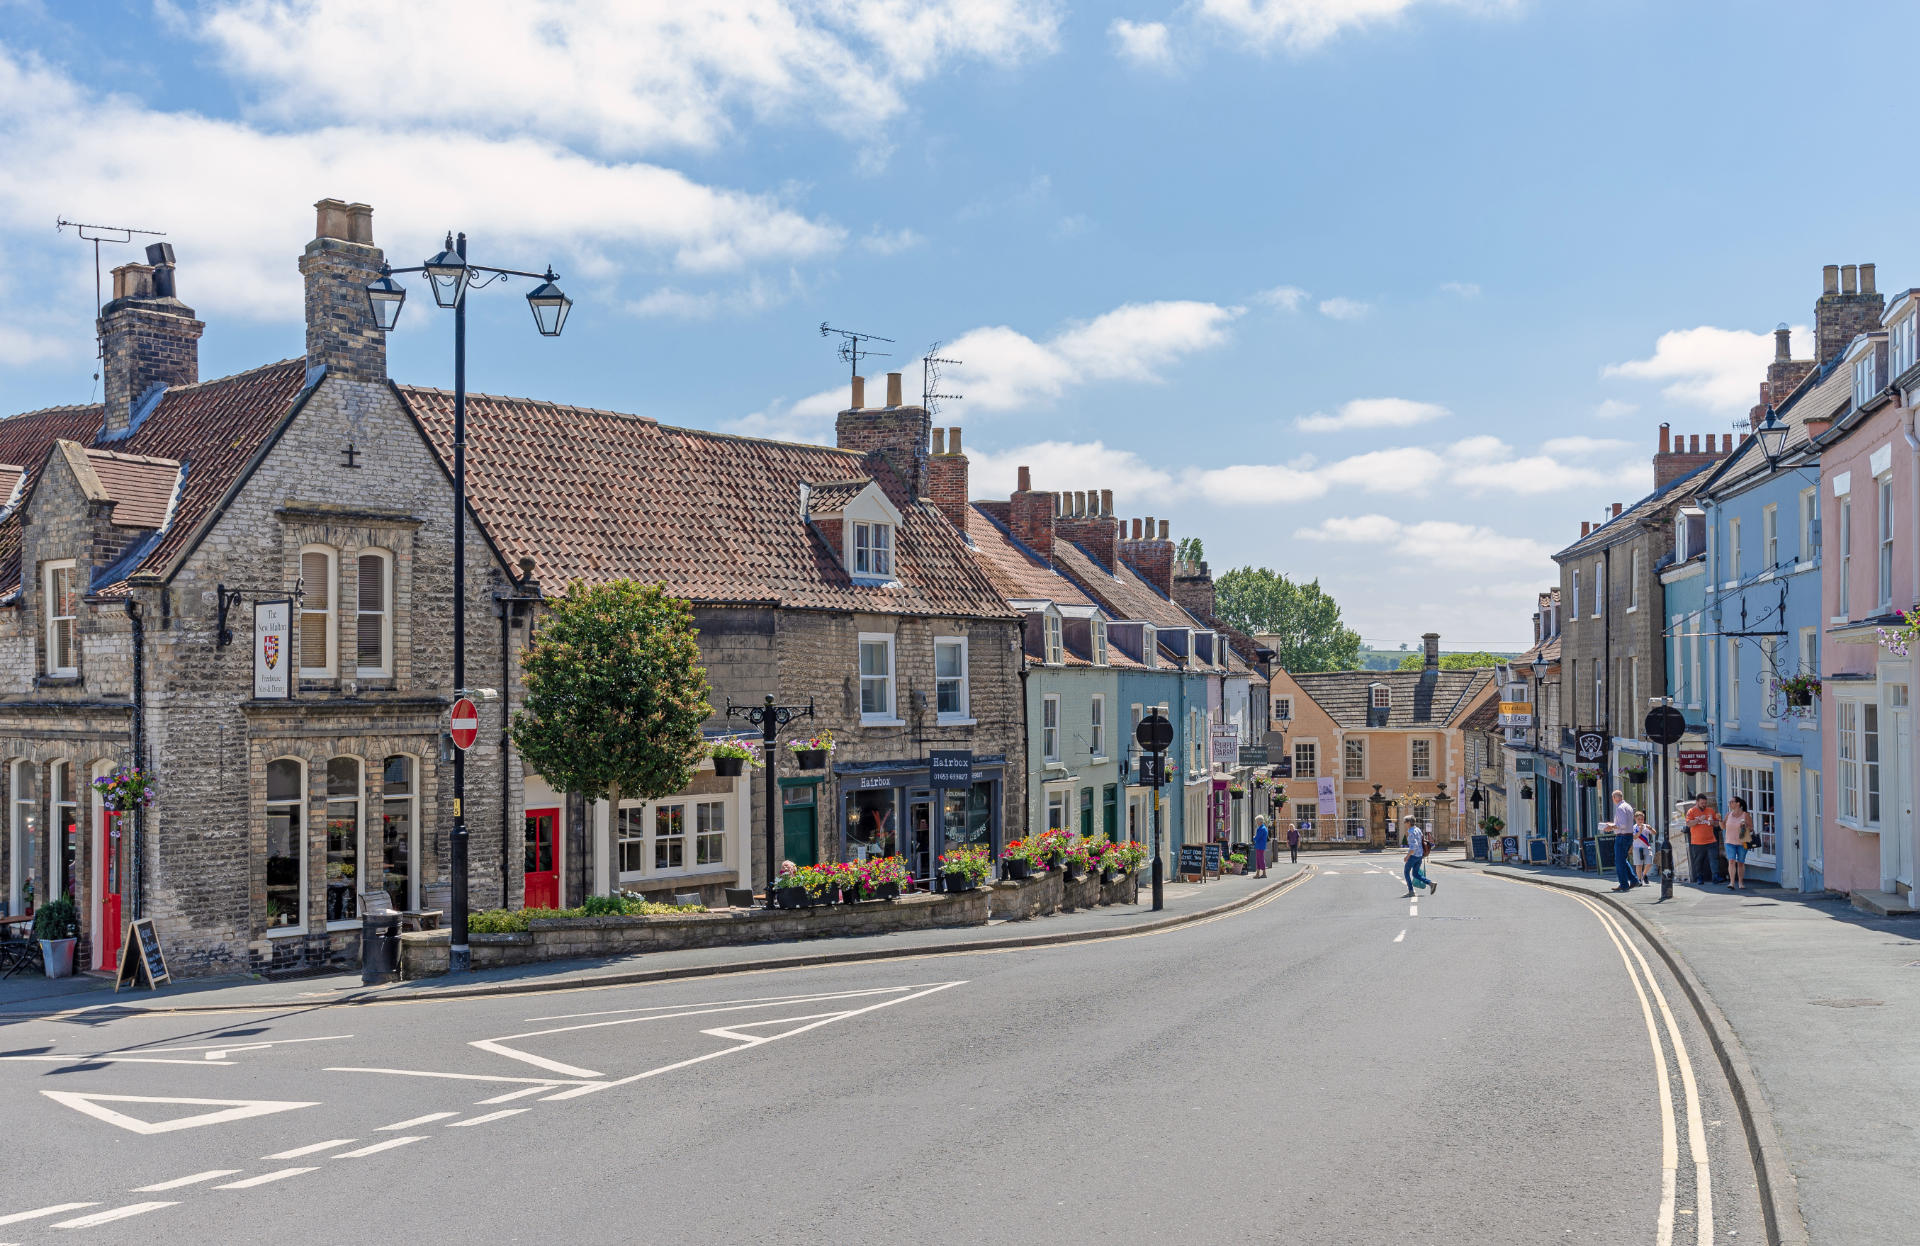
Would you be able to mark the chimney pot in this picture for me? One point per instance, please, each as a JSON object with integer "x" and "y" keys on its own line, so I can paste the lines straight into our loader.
{"x": 1666, "y": 438}
{"x": 1616, "y": 505}
{"x": 1586, "y": 526}
{"x": 939, "y": 441}
{"x": 1136, "y": 528}
{"x": 953, "y": 440}
{"x": 1693, "y": 444}
{"x": 1080, "y": 503}
{"x": 1849, "y": 279}
{"x": 1106, "y": 502}
{"x": 1866, "y": 279}
{"x": 1149, "y": 535}
{"x": 859, "y": 393}
{"x": 1830, "y": 279}
{"x": 1164, "y": 525}
{"x": 332, "y": 220}
{"x": 1026, "y": 480}
{"x": 1782, "y": 350}
{"x": 360, "y": 223}
{"x": 893, "y": 389}
{"x": 133, "y": 281}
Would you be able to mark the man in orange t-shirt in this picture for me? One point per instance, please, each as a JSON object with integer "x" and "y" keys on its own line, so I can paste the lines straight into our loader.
{"x": 1702, "y": 819}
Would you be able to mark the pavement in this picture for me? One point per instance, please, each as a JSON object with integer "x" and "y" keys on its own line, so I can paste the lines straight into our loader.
{"x": 1822, "y": 1000}
{"x": 24, "y": 994}
{"x": 1329, "y": 1062}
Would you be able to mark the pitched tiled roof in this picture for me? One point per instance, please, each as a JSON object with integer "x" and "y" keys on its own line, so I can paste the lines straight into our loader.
{"x": 1620, "y": 526}
{"x": 1121, "y": 593}
{"x": 1019, "y": 574}
{"x": 831, "y": 497}
{"x": 212, "y": 430}
{"x": 596, "y": 495}
{"x": 1819, "y": 397}
{"x": 1418, "y": 698}
{"x": 140, "y": 485}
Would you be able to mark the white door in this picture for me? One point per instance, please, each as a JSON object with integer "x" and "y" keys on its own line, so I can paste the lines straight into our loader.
{"x": 1897, "y": 828}
{"x": 1786, "y": 833}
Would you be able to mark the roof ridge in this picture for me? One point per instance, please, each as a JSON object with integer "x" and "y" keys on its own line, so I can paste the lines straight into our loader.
{"x": 188, "y": 387}
{"x": 58, "y": 409}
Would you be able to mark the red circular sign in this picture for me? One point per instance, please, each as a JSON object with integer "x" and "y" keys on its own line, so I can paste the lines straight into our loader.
{"x": 466, "y": 724}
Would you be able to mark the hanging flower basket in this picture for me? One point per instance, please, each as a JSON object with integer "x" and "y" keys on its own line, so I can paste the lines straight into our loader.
{"x": 127, "y": 788}
{"x": 811, "y": 753}
{"x": 732, "y": 757}
{"x": 1799, "y": 690}
{"x": 1900, "y": 639}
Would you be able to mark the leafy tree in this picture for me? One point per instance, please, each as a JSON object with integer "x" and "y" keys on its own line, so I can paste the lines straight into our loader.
{"x": 615, "y": 693}
{"x": 1306, "y": 621}
{"x": 1454, "y": 661}
{"x": 1189, "y": 550}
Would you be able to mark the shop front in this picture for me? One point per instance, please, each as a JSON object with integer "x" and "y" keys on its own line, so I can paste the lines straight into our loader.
{"x": 892, "y": 808}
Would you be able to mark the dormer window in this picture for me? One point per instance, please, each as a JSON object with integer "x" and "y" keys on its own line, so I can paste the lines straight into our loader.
{"x": 1901, "y": 344}
{"x": 1865, "y": 382}
{"x": 1150, "y": 646}
{"x": 1099, "y": 631}
{"x": 1056, "y": 651}
{"x": 1382, "y": 697}
{"x": 63, "y": 611}
{"x": 873, "y": 549}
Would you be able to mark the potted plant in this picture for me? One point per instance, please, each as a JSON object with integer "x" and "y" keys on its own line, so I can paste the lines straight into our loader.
{"x": 1800, "y": 690}
{"x": 57, "y": 925}
{"x": 1237, "y": 790}
{"x": 1018, "y": 857}
{"x": 126, "y": 788}
{"x": 1493, "y": 825}
{"x": 811, "y": 753}
{"x": 881, "y": 878}
{"x": 1052, "y": 849}
{"x": 1634, "y": 774}
{"x": 1122, "y": 860}
{"x": 1237, "y": 862}
{"x": 791, "y": 890}
{"x": 1899, "y": 640}
{"x": 965, "y": 868}
{"x": 732, "y": 757}
{"x": 1078, "y": 860}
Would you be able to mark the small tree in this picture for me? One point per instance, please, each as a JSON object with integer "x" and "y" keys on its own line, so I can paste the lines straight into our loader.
{"x": 615, "y": 693}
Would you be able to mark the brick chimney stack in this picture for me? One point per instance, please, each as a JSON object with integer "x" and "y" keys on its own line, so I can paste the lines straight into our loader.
{"x": 900, "y": 433}
{"x": 947, "y": 477}
{"x": 1430, "y": 643}
{"x": 1030, "y": 516}
{"x": 337, "y": 265}
{"x": 1193, "y": 587}
{"x": 1093, "y": 526}
{"x": 1785, "y": 373}
{"x": 1151, "y": 556}
{"x": 1847, "y": 307}
{"x": 1675, "y": 459}
{"x": 148, "y": 336}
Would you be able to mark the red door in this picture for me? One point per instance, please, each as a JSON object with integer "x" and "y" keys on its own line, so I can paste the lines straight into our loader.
{"x": 109, "y": 856}
{"x": 543, "y": 872}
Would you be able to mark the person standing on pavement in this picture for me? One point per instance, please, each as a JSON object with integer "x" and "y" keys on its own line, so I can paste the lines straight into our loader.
{"x": 1739, "y": 838}
{"x": 1623, "y": 842}
{"x": 1701, "y": 840}
{"x": 1260, "y": 841}
{"x": 1416, "y": 859}
{"x": 1293, "y": 843}
{"x": 1642, "y": 845}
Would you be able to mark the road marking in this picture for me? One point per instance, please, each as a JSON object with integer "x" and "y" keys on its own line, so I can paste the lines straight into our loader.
{"x": 428, "y": 1119}
{"x": 107, "y": 1217}
{"x": 177, "y": 1182}
{"x": 1413, "y": 910}
{"x": 230, "y": 1110}
{"x": 502, "y": 1114}
{"x": 378, "y": 1147}
{"x": 54, "y": 1210}
{"x": 278, "y": 1175}
{"x": 465, "y": 1077}
{"x": 1400, "y": 936}
{"x": 511, "y": 1095}
{"x": 298, "y": 1151}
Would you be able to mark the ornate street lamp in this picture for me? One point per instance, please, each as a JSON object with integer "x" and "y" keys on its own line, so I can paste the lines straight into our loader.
{"x": 385, "y": 297}
{"x": 447, "y": 273}
{"x": 550, "y": 306}
{"x": 1773, "y": 436}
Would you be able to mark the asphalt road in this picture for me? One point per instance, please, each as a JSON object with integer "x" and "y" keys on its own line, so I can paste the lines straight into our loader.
{"x": 1335, "y": 1065}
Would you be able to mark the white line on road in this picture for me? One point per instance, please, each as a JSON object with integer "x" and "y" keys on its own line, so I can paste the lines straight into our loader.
{"x": 177, "y": 1182}
{"x": 54, "y": 1210}
{"x": 107, "y": 1217}
{"x": 467, "y": 1077}
{"x": 277, "y": 1175}
{"x": 511, "y": 1095}
{"x": 377, "y": 1147}
{"x": 428, "y": 1119}
{"x": 502, "y": 1114}
{"x": 1400, "y": 936}
{"x": 309, "y": 1149}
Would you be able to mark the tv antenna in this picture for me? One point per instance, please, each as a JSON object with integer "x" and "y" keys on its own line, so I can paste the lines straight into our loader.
{"x": 930, "y": 379}
{"x": 97, "y": 234}
{"x": 851, "y": 348}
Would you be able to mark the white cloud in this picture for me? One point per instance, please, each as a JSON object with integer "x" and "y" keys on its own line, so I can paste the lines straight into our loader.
{"x": 884, "y": 242}
{"x": 21, "y": 347}
{"x": 618, "y": 76}
{"x": 1302, "y": 25}
{"x": 1004, "y": 370}
{"x": 234, "y": 198}
{"x": 1372, "y": 413}
{"x": 809, "y": 419}
{"x": 1344, "y": 309}
{"x": 1143, "y": 43}
{"x": 1063, "y": 465}
{"x": 1614, "y": 409}
{"x": 1575, "y": 446}
{"x": 675, "y": 303}
{"x": 1435, "y": 542}
{"x": 1286, "y": 298}
{"x": 1255, "y": 484}
{"x": 1718, "y": 369}
{"x": 1464, "y": 289}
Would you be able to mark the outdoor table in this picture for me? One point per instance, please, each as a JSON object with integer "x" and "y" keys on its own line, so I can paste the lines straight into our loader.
{"x": 8, "y": 923}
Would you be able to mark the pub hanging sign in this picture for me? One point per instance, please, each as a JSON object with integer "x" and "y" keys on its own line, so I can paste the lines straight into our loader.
{"x": 1590, "y": 746}
{"x": 273, "y": 649}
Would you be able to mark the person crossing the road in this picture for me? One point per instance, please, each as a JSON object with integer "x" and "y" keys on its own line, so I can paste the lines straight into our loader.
{"x": 1293, "y": 844}
{"x": 1623, "y": 842}
{"x": 1416, "y": 859}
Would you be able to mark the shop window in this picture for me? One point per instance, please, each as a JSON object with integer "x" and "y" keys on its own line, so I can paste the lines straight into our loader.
{"x": 63, "y": 875}
{"x": 876, "y": 678}
{"x": 1754, "y": 786}
{"x": 872, "y": 823}
{"x": 950, "y": 677}
{"x": 1356, "y": 819}
{"x": 670, "y": 837}
{"x": 286, "y": 845}
{"x": 399, "y": 841}
{"x": 374, "y": 624}
{"x": 710, "y": 833}
{"x": 27, "y": 852}
{"x": 317, "y": 563}
{"x": 63, "y": 610}
{"x": 343, "y": 839}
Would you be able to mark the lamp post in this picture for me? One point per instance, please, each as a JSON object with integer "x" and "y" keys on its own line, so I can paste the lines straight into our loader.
{"x": 1443, "y": 803}
{"x": 770, "y": 718}
{"x": 450, "y": 276}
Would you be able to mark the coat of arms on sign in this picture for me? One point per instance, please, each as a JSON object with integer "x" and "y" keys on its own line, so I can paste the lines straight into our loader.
{"x": 271, "y": 650}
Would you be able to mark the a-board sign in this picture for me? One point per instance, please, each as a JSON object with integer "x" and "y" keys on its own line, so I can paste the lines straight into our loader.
{"x": 1193, "y": 859}
{"x": 141, "y": 957}
{"x": 1510, "y": 847}
{"x": 1216, "y": 857}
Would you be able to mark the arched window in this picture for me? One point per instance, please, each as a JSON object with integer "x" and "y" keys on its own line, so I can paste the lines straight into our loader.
{"x": 318, "y": 574}
{"x": 400, "y": 832}
{"x": 374, "y": 624}
{"x": 286, "y": 846}
{"x": 27, "y": 855}
{"x": 344, "y": 845}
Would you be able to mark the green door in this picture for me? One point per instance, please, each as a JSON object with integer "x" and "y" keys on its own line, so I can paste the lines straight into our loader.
{"x": 800, "y": 817}
{"x": 1086, "y": 813}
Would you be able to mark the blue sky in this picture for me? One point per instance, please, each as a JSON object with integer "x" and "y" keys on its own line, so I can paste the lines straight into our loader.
{"x": 1388, "y": 292}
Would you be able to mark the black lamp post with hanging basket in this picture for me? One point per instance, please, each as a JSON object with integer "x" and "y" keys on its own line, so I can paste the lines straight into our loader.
{"x": 770, "y": 718}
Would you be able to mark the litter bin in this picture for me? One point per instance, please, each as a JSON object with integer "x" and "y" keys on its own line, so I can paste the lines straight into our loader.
{"x": 379, "y": 947}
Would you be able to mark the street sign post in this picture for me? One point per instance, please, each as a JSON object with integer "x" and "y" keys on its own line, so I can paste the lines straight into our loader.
{"x": 1155, "y": 736}
{"x": 1664, "y": 726}
{"x": 464, "y": 723}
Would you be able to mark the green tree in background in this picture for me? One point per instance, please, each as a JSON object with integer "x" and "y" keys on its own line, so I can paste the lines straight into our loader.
{"x": 1189, "y": 550}
{"x": 615, "y": 693}
{"x": 1311, "y": 637}
{"x": 1454, "y": 661}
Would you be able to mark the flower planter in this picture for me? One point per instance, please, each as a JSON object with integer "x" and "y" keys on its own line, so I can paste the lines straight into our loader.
{"x": 810, "y": 758}
{"x": 1800, "y": 698}
{"x": 57, "y": 956}
{"x": 729, "y": 767}
{"x": 791, "y": 898}
{"x": 885, "y": 891}
{"x": 1015, "y": 870}
{"x": 959, "y": 882}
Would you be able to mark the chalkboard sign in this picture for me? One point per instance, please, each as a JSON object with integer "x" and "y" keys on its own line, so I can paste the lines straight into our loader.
{"x": 1216, "y": 858}
{"x": 1510, "y": 847}
{"x": 1193, "y": 859}
{"x": 141, "y": 957}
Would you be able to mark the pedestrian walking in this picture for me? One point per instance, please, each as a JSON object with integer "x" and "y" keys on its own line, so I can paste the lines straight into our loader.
{"x": 1642, "y": 846}
{"x": 1623, "y": 819}
{"x": 1739, "y": 841}
{"x": 1293, "y": 844}
{"x": 1415, "y": 866}
{"x": 1260, "y": 841}
{"x": 1702, "y": 821}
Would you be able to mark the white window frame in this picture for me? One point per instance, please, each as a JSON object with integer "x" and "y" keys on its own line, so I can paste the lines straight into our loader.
{"x": 1097, "y": 726}
{"x": 1731, "y": 714}
{"x": 1884, "y": 562}
{"x": 1815, "y": 820}
{"x": 890, "y": 716}
{"x": 1633, "y": 580}
{"x": 328, "y": 616}
{"x": 1844, "y": 607}
{"x": 1576, "y": 592}
{"x": 384, "y": 668}
{"x": 1809, "y": 516}
{"x": 1060, "y": 808}
{"x": 411, "y": 800}
{"x": 1097, "y": 628}
{"x": 1283, "y": 708}
{"x": 963, "y": 715}
{"x": 47, "y": 573}
{"x": 1150, "y": 646}
{"x": 1599, "y": 587}
{"x": 702, "y": 835}
{"x": 1353, "y": 758}
{"x": 1312, "y": 753}
{"x": 359, "y": 803}
{"x": 1694, "y": 685}
{"x": 1770, "y": 535}
{"x": 1416, "y": 772}
{"x": 22, "y": 815}
{"x": 1056, "y": 650}
{"x": 1379, "y": 697}
{"x": 1734, "y": 552}
{"x": 1050, "y": 727}
{"x": 872, "y": 547}
{"x": 1755, "y": 785}
{"x": 303, "y": 810}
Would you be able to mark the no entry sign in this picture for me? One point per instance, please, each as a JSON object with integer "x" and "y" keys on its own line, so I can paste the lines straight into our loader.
{"x": 465, "y": 724}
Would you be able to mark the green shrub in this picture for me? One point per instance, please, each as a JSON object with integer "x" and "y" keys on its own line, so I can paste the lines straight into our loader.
{"x": 56, "y": 919}
{"x": 603, "y": 906}
{"x": 514, "y": 921}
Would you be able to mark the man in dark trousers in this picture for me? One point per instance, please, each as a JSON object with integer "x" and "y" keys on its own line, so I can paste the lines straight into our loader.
{"x": 1703, "y": 839}
{"x": 1293, "y": 843}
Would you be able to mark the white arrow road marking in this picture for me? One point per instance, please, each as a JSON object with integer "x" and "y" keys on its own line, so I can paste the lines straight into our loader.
{"x": 428, "y": 1119}
{"x": 264, "y": 1178}
{"x": 177, "y": 1182}
{"x": 735, "y": 1034}
{"x": 298, "y": 1151}
{"x": 230, "y": 1110}
{"x": 54, "y": 1210}
{"x": 1400, "y": 936}
{"x": 107, "y": 1217}
{"x": 511, "y": 1095}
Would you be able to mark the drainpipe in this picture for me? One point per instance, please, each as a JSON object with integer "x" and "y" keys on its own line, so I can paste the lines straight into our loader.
{"x": 1907, "y": 430}
{"x": 1714, "y": 544}
{"x": 507, "y": 610}
{"x": 136, "y": 850}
